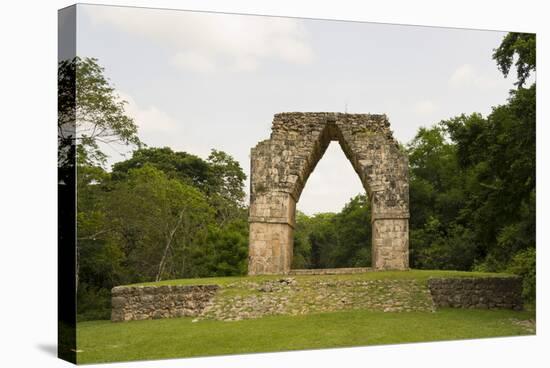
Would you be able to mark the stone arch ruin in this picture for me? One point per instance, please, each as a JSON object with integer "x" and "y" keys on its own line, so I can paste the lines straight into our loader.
{"x": 281, "y": 165}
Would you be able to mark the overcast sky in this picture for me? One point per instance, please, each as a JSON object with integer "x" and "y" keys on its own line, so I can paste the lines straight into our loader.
{"x": 197, "y": 81}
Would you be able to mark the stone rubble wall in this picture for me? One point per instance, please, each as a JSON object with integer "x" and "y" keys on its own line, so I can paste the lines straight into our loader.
{"x": 152, "y": 302}
{"x": 485, "y": 293}
{"x": 300, "y": 296}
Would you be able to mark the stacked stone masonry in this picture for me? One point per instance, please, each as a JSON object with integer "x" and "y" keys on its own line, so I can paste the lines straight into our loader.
{"x": 304, "y": 295}
{"x": 281, "y": 165}
{"x": 153, "y": 302}
{"x": 488, "y": 293}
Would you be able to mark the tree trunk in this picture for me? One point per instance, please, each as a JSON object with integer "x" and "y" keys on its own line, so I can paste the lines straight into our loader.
{"x": 168, "y": 245}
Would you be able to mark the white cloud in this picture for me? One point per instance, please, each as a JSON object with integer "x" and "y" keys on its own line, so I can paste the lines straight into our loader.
{"x": 466, "y": 75}
{"x": 149, "y": 119}
{"x": 206, "y": 42}
{"x": 424, "y": 107}
{"x": 193, "y": 60}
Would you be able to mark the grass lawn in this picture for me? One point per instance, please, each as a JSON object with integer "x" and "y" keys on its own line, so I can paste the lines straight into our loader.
{"x": 104, "y": 341}
{"x": 371, "y": 275}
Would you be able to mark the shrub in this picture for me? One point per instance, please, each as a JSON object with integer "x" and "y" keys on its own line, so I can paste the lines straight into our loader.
{"x": 524, "y": 264}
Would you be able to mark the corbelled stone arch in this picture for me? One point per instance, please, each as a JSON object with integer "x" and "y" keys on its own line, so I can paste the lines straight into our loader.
{"x": 281, "y": 165}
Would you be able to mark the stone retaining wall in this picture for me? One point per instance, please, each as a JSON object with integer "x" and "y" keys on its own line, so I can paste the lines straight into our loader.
{"x": 153, "y": 302}
{"x": 297, "y": 296}
{"x": 490, "y": 292}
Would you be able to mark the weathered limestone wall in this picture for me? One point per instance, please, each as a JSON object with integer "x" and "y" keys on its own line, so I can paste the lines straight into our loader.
{"x": 244, "y": 299}
{"x": 281, "y": 165}
{"x": 152, "y": 302}
{"x": 490, "y": 292}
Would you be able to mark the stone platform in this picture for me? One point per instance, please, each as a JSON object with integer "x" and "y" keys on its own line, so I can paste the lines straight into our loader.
{"x": 249, "y": 298}
{"x": 330, "y": 271}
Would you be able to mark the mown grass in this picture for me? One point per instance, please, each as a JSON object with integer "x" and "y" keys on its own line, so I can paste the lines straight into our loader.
{"x": 104, "y": 341}
{"x": 372, "y": 275}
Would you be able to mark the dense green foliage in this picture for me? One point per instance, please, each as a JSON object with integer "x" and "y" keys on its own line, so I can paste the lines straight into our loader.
{"x": 100, "y": 341}
{"x": 87, "y": 97}
{"x": 162, "y": 214}
{"x": 329, "y": 240}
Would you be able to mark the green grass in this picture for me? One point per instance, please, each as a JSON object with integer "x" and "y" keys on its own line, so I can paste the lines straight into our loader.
{"x": 373, "y": 275}
{"x": 103, "y": 341}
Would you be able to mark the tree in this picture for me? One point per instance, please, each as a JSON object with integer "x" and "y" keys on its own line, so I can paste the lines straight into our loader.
{"x": 523, "y": 46}
{"x": 90, "y": 111}
{"x": 322, "y": 236}
{"x": 331, "y": 240}
{"x": 301, "y": 257}
{"x": 354, "y": 232}
{"x": 220, "y": 177}
{"x": 433, "y": 246}
{"x": 498, "y": 156}
{"x": 183, "y": 166}
{"x": 436, "y": 196}
{"x": 226, "y": 252}
{"x": 159, "y": 221}
{"x": 226, "y": 186}
{"x": 146, "y": 225}
{"x": 434, "y": 176}
{"x": 227, "y": 176}
{"x": 524, "y": 264}
{"x": 91, "y": 225}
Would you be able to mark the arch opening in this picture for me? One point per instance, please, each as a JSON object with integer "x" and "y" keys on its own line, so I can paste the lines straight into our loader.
{"x": 331, "y": 215}
{"x": 331, "y": 184}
